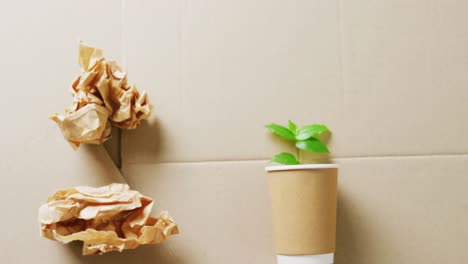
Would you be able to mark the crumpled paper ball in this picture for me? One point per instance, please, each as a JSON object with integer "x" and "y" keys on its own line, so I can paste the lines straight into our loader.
{"x": 108, "y": 218}
{"x": 101, "y": 96}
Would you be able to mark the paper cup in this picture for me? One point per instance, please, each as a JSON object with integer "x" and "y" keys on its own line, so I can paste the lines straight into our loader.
{"x": 303, "y": 200}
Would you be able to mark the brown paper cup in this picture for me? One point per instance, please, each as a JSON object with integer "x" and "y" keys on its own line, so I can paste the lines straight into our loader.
{"x": 303, "y": 200}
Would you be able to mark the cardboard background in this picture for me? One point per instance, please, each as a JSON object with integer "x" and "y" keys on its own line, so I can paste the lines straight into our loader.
{"x": 389, "y": 78}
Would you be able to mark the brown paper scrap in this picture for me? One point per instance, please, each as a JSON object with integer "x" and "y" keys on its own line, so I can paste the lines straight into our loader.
{"x": 103, "y": 85}
{"x": 108, "y": 218}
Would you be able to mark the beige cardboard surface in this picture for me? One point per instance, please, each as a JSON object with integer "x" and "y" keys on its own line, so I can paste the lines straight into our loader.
{"x": 113, "y": 146}
{"x": 303, "y": 204}
{"x": 402, "y": 210}
{"x": 38, "y": 56}
{"x": 390, "y": 210}
{"x": 222, "y": 210}
{"x": 388, "y": 78}
{"x": 233, "y": 66}
{"x": 409, "y": 72}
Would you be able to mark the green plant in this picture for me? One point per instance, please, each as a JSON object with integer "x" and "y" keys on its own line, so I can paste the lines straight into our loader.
{"x": 305, "y": 138}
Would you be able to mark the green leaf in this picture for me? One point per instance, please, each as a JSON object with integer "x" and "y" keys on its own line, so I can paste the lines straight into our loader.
{"x": 312, "y": 145}
{"x": 310, "y": 131}
{"x": 285, "y": 158}
{"x": 281, "y": 131}
{"x": 292, "y": 127}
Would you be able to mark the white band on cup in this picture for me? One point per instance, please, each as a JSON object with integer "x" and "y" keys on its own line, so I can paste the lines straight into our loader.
{"x": 306, "y": 259}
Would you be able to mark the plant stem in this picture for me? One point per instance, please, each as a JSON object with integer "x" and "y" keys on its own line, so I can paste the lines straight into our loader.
{"x": 298, "y": 155}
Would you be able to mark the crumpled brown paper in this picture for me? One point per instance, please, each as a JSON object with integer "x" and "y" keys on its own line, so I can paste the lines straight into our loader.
{"x": 100, "y": 95}
{"x": 109, "y": 218}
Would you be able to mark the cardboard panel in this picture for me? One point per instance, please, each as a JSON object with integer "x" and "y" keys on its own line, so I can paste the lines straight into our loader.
{"x": 222, "y": 210}
{"x": 402, "y": 210}
{"x": 404, "y": 77}
{"x": 219, "y": 70}
{"x": 38, "y": 63}
{"x": 390, "y": 210}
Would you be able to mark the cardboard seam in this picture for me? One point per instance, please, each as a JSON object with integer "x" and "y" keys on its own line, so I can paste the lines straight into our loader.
{"x": 266, "y": 161}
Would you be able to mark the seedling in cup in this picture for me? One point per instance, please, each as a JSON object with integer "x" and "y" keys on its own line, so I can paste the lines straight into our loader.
{"x": 306, "y": 138}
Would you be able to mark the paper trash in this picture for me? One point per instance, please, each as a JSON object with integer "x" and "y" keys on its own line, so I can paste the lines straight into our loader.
{"x": 101, "y": 96}
{"x": 109, "y": 218}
